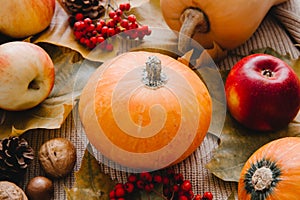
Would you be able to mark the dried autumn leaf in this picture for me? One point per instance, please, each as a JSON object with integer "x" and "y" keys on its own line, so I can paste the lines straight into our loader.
{"x": 90, "y": 182}
{"x": 52, "y": 112}
{"x": 237, "y": 143}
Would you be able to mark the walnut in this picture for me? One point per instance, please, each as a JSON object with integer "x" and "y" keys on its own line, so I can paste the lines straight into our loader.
{"x": 10, "y": 191}
{"x": 57, "y": 157}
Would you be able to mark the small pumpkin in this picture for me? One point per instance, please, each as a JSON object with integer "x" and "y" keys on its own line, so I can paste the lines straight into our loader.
{"x": 145, "y": 110}
{"x": 272, "y": 172}
{"x": 226, "y": 24}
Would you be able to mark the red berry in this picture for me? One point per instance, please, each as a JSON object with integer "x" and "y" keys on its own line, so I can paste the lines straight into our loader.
{"x": 117, "y": 19}
{"x": 149, "y": 187}
{"x": 191, "y": 194}
{"x": 79, "y": 17}
{"x": 119, "y": 185}
{"x": 119, "y": 12}
{"x": 175, "y": 188}
{"x": 124, "y": 23}
{"x": 207, "y": 196}
{"x": 166, "y": 180}
{"x": 111, "y": 32}
{"x": 111, "y": 14}
{"x": 104, "y": 30}
{"x": 133, "y": 25}
{"x": 178, "y": 178}
{"x": 129, "y": 187}
{"x": 146, "y": 176}
{"x": 140, "y": 184}
{"x": 90, "y": 28}
{"x": 186, "y": 186}
{"x": 100, "y": 39}
{"x": 122, "y": 6}
{"x": 78, "y": 35}
{"x": 102, "y": 22}
{"x": 119, "y": 192}
{"x": 132, "y": 178}
{"x": 93, "y": 40}
{"x": 112, "y": 194}
{"x": 117, "y": 30}
{"x": 109, "y": 47}
{"x": 82, "y": 40}
{"x": 87, "y": 21}
{"x": 197, "y": 197}
{"x": 133, "y": 35}
{"x": 149, "y": 32}
{"x": 131, "y": 18}
{"x": 127, "y": 6}
{"x": 157, "y": 179}
{"x": 79, "y": 25}
{"x": 98, "y": 27}
{"x": 111, "y": 23}
{"x": 182, "y": 197}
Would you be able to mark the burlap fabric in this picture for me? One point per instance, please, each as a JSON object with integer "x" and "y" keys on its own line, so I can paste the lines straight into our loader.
{"x": 280, "y": 30}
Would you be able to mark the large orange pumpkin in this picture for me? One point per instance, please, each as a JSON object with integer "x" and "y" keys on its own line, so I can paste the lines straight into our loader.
{"x": 145, "y": 110}
{"x": 272, "y": 172}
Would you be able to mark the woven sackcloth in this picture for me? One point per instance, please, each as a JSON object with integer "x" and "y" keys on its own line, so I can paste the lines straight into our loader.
{"x": 279, "y": 30}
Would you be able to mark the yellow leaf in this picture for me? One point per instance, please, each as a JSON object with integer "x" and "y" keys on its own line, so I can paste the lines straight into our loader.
{"x": 90, "y": 181}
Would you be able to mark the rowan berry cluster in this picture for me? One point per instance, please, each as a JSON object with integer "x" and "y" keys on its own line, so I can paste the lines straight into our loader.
{"x": 91, "y": 33}
{"x": 174, "y": 187}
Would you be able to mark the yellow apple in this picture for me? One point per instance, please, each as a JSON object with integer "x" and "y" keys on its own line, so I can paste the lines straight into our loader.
{"x": 26, "y": 75}
{"x": 22, "y": 18}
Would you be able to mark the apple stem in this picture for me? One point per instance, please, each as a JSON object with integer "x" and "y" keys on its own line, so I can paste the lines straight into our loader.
{"x": 153, "y": 76}
{"x": 267, "y": 73}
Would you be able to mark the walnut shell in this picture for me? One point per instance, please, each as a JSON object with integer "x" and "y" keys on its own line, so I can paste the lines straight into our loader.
{"x": 11, "y": 191}
{"x": 57, "y": 157}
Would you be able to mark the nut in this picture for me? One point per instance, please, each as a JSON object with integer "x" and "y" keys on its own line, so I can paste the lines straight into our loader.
{"x": 11, "y": 191}
{"x": 39, "y": 188}
{"x": 57, "y": 157}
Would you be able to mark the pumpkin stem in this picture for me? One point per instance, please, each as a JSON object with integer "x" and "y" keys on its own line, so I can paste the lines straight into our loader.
{"x": 191, "y": 19}
{"x": 153, "y": 76}
{"x": 262, "y": 178}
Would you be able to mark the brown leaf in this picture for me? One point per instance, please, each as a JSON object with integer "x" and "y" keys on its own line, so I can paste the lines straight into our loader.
{"x": 52, "y": 112}
{"x": 90, "y": 181}
{"x": 238, "y": 144}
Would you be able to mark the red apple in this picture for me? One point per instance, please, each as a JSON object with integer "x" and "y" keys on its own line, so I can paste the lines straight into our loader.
{"x": 22, "y": 18}
{"x": 263, "y": 92}
{"x": 26, "y": 75}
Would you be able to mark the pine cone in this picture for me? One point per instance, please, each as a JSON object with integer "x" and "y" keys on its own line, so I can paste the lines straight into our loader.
{"x": 15, "y": 156}
{"x": 89, "y": 8}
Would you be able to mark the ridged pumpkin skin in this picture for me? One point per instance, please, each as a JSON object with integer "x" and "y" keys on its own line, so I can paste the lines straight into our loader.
{"x": 140, "y": 127}
{"x": 284, "y": 155}
{"x": 230, "y": 22}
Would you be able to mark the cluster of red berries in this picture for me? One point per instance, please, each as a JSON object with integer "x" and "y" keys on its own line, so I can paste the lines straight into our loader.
{"x": 91, "y": 33}
{"x": 173, "y": 184}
